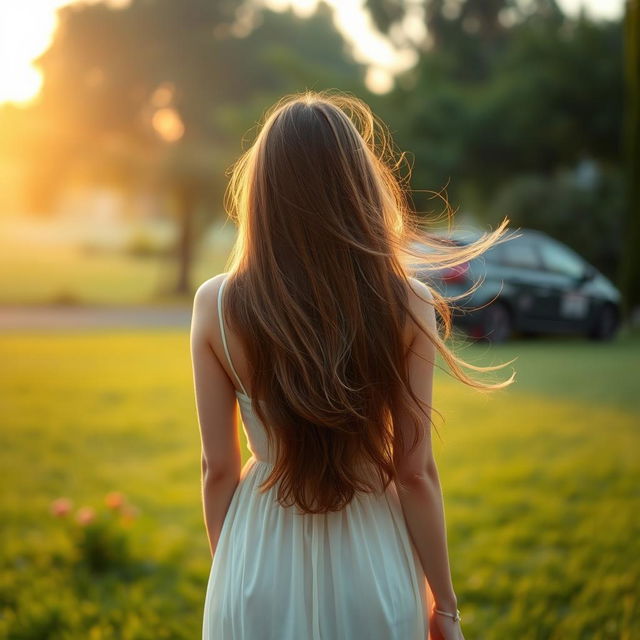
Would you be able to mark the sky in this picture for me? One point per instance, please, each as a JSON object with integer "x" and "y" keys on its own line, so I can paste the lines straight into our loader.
{"x": 27, "y": 27}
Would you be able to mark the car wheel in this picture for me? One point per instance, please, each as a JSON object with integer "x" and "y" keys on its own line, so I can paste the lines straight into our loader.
{"x": 498, "y": 325}
{"x": 606, "y": 324}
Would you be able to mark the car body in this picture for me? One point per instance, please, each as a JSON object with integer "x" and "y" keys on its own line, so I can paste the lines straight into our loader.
{"x": 530, "y": 283}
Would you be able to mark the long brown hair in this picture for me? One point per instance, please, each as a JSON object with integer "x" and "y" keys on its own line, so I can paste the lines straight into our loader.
{"x": 318, "y": 293}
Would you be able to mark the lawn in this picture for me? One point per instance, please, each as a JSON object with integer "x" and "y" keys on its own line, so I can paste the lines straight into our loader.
{"x": 541, "y": 485}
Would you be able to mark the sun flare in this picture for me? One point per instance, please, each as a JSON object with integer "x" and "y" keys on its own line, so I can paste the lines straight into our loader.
{"x": 26, "y": 29}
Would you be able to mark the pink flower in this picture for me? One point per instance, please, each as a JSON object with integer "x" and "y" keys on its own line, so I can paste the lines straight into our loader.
{"x": 114, "y": 500}
{"x": 85, "y": 515}
{"x": 60, "y": 507}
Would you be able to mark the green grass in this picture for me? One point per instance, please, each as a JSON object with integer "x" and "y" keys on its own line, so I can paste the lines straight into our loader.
{"x": 541, "y": 485}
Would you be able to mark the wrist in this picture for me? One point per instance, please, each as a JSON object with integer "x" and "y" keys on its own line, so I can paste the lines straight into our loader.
{"x": 448, "y": 603}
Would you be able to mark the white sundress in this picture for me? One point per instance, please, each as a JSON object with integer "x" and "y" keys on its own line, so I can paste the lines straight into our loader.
{"x": 277, "y": 574}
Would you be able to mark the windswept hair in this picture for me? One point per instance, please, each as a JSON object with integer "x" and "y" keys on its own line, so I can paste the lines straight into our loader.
{"x": 318, "y": 293}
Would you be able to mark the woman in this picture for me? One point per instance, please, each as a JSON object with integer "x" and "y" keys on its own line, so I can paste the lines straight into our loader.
{"x": 321, "y": 336}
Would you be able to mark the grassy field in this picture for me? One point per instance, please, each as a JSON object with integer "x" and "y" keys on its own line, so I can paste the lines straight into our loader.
{"x": 541, "y": 485}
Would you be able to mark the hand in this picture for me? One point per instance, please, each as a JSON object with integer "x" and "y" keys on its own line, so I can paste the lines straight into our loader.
{"x": 443, "y": 627}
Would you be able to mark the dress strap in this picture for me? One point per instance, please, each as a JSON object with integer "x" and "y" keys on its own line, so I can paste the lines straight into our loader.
{"x": 224, "y": 336}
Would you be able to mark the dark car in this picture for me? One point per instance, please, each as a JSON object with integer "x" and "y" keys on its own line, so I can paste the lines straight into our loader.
{"x": 530, "y": 284}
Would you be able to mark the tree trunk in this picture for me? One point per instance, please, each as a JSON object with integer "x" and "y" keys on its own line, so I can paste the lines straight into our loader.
{"x": 186, "y": 203}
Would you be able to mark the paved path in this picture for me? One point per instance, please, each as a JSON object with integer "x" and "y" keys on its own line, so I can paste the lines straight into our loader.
{"x": 72, "y": 318}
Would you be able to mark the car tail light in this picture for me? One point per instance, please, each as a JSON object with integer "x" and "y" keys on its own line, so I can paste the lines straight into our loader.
{"x": 455, "y": 274}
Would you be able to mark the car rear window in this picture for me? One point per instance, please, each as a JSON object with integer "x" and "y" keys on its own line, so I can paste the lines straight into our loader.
{"x": 521, "y": 253}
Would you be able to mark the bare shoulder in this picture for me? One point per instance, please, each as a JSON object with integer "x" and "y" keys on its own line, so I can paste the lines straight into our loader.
{"x": 208, "y": 287}
{"x": 420, "y": 289}
{"x": 205, "y": 306}
{"x": 421, "y": 303}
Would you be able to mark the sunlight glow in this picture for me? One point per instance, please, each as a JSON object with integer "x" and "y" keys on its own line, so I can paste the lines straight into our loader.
{"x": 25, "y": 32}
{"x": 368, "y": 46}
{"x": 168, "y": 124}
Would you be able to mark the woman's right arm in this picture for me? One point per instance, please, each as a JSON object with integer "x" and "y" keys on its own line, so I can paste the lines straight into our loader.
{"x": 418, "y": 483}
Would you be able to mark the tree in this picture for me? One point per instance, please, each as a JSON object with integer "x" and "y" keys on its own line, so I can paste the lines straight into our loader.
{"x": 505, "y": 97}
{"x": 162, "y": 90}
{"x": 630, "y": 261}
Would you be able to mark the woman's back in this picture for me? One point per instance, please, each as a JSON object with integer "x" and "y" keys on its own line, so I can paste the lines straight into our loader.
{"x": 278, "y": 573}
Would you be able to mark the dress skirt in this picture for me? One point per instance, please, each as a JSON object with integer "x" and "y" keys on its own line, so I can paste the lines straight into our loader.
{"x": 278, "y": 574}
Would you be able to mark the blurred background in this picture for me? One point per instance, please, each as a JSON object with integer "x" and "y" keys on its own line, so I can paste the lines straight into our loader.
{"x": 118, "y": 122}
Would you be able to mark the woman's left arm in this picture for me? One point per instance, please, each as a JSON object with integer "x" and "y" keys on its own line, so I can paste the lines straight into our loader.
{"x": 217, "y": 413}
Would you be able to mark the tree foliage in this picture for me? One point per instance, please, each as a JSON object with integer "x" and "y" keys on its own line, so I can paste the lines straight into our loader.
{"x": 630, "y": 262}
{"x": 508, "y": 95}
{"x": 162, "y": 90}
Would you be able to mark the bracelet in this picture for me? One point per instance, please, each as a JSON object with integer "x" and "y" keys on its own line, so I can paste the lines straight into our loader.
{"x": 456, "y": 616}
